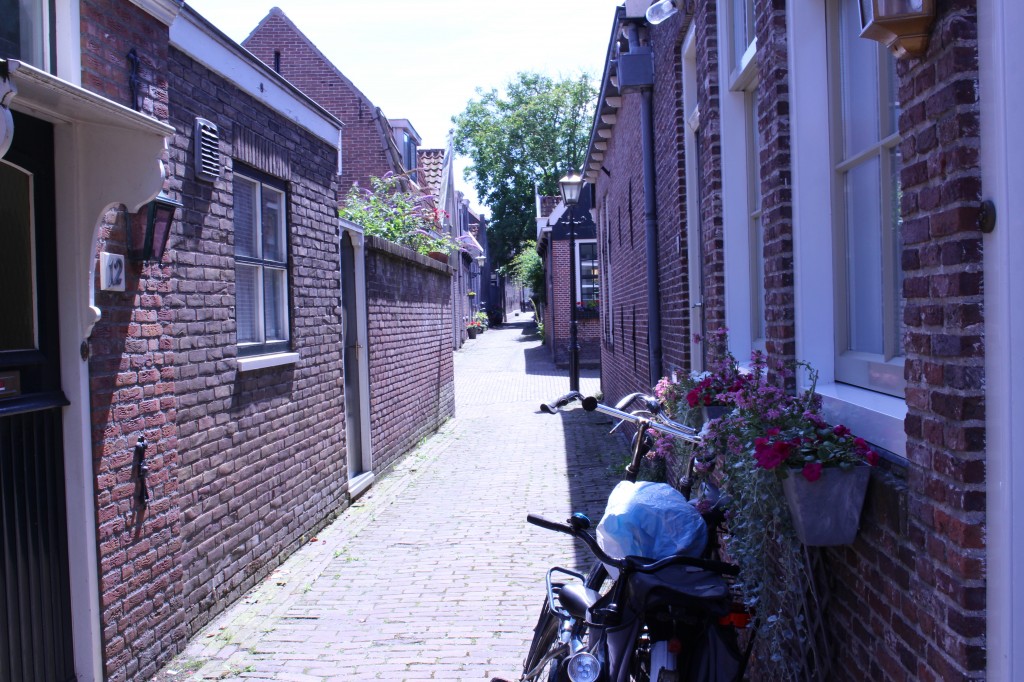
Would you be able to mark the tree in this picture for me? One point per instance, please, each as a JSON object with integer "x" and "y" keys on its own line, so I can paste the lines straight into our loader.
{"x": 527, "y": 270}
{"x": 530, "y": 135}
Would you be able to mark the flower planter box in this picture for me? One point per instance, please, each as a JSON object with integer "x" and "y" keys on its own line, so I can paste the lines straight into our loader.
{"x": 438, "y": 256}
{"x": 471, "y": 332}
{"x": 826, "y": 512}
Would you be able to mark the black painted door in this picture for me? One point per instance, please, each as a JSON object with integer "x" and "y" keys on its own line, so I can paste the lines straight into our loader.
{"x": 35, "y": 600}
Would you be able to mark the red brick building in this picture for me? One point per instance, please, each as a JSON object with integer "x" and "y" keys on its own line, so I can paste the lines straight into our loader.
{"x": 553, "y": 245}
{"x": 759, "y": 166}
{"x": 175, "y": 425}
{"x": 370, "y": 148}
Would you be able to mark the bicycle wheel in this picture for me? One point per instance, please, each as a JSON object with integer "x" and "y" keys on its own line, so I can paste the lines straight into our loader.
{"x": 546, "y": 652}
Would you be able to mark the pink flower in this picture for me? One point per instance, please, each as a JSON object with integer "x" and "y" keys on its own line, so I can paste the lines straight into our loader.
{"x": 841, "y": 430}
{"x": 812, "y": 471}
{"x": 771, "y": 457}
{"x": 872, "y": 457}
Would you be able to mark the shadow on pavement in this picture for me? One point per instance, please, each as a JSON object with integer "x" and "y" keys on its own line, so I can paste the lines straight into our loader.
{"x": 595, "y": 459}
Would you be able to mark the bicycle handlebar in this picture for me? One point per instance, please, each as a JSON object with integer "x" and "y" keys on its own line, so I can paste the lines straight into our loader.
{"x": 633, "y": 564}
{"x": 658, "y": 423}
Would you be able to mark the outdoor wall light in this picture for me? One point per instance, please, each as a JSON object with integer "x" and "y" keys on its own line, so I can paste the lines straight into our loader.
{"x": 147, "y": 239}
{"x": 480, "y": 260}
{"x": 901, "y": 25}
{"x": 570, "y": 186}
{"x": 660, "y": 11}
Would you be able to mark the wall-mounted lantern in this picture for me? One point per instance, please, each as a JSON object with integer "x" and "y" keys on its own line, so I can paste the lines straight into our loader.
{"x": 901, "y": 25}
{"x": 147, "y": 239}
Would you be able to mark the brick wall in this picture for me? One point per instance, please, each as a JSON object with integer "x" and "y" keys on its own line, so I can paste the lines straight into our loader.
{"x": 363, "y": 149}
{"x": 262, "y": 453}
{"x": 412, "y": 372}
{"x": 620, "y": 201}
{"x": 133, "y": 356}
{"x": 588, "y": 329}
{"x": 908, "y": 598}
{"x": 912, "y": 594}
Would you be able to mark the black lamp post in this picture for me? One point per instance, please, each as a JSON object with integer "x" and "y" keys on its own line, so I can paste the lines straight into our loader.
{"x": 570, "y": 186}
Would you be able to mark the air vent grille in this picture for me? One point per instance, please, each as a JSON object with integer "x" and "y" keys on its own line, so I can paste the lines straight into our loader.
{"x": 207, "y": 143}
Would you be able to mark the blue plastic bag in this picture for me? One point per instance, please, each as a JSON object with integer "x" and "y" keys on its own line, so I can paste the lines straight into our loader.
{"x": 651, "y": 520}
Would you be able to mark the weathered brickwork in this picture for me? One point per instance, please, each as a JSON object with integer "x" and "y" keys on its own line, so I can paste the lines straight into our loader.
{"x": 620, "y": 200}
{"x": 677, "y": 315}
{"x": 132, "y": 363}
{"x": 914, "y": 596}
{"x": 412, "y": 371}
{"x": 908, "y": 598}
{"x": 588, "y": 328}
{"x": 278, "y": 43}
{"x": 262, "y": 453}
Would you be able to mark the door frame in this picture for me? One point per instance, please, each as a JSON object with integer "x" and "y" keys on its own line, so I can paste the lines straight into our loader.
{"x": 89, "y": 132}
{"x": 1000, "y": 53}
{"x": 356, "y": 336}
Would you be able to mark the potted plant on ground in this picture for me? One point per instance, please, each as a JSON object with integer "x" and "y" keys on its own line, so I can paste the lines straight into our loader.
{"x": 473, "y": 328}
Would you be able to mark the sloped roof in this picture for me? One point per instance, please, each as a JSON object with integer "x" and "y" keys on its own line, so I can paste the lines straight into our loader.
{"x": 430, "y": 164}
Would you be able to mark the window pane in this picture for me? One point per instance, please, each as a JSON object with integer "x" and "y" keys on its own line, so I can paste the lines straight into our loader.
{"x": 23, "y": 31}
{"x": 274, "y": 243}
{"x": 859, "y": 83}
{"x": 275, "y": 298}
{"x": 864, "y": 257}
{"x": 246, "y": 230}
{"x": 17, "y": 260}
{"x": 742, "y": 16}
{"x": 589, "y": 272}
{"x": 246, "y": 303}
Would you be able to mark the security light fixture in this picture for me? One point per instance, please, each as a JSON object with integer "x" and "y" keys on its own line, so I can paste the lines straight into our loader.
{"x": 901, "y": 25}
{"x": 660, "y": 11}
{"x": 480, "y": 260}
{"x": 147, "y": 240}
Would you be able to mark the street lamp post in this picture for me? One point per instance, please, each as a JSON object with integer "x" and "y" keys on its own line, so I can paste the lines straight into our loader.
{"x": 570, "y": 186}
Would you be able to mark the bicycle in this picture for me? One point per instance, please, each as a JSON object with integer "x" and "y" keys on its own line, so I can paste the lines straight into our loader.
{"x": 633, "y": 630}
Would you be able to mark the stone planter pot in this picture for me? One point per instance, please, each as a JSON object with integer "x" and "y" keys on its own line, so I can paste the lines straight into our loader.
{"x": 471, "y": 332}
{"x": 826, "y": 512}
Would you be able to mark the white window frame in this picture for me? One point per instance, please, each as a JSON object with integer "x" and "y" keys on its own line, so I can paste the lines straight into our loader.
{"x": 694, "y": 231}
{"x": 579, "y": 268}
{"x": 740, "y": 172}
{"x": 880, "y": 372}
{"x": 874, "y": 416}
{"x": 262, "y": 346}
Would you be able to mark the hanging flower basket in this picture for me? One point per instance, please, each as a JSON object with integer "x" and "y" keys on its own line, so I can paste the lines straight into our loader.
{"x": 826, "y": 512}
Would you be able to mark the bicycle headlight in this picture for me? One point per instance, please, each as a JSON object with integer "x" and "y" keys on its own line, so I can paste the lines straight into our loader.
{"x": 584, "y": 667}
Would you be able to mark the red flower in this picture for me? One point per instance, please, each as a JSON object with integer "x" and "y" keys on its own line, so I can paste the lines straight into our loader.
{"x": 812, "y": 471}
{"x": 841, "y": 430}
{"x": 769, "y": 457}
{"x": 872, "y": 457}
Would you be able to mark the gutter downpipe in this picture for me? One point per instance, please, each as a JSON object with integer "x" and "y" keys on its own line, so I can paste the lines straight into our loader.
{"x": 654, "y": 349}
{"x": 651, "y": 234}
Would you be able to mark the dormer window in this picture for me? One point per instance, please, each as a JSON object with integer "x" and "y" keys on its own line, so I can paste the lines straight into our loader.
{"x": 409, "y": 154}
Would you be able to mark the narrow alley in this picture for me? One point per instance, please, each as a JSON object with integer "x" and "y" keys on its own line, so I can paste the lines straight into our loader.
{"x": 434, "y": 573}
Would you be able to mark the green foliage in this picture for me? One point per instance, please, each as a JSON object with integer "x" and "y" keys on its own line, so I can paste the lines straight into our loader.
{"x": 526, "y": 269}
{"x": 384, "y": 210}
{"x": 531, "y": 134}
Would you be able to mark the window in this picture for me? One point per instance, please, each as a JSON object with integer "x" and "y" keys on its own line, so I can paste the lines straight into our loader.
{"x": 26, "y": 32}
{"x": 821, "y": 294}
{"x": 741, "y": 178}
{"x": 17, "y": 261}
{"x": 866, "y": 160}
{"x": 588, "y": 286}
{"x": 261, "y": 263}
{"x": 409, "y": 155}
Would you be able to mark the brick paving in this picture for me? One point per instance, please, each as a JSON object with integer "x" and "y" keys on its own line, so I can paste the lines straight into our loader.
{"x": 433, "y": 574}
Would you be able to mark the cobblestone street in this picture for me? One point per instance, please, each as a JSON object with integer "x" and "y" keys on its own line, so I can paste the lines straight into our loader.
{"x": 434, "y": 573}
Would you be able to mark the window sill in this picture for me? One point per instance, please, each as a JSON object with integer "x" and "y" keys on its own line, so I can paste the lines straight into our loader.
{"x": 875, "y": 417}
{"x": 263, "y": 361}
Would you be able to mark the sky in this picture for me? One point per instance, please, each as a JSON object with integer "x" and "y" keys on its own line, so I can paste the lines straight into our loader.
{"x": 422, "y": 60}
